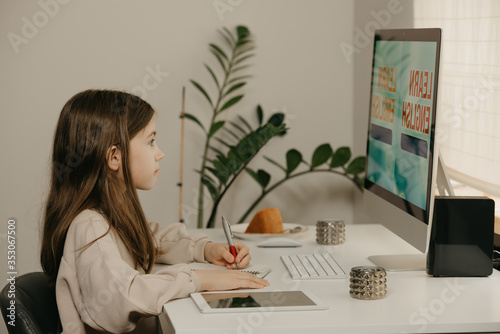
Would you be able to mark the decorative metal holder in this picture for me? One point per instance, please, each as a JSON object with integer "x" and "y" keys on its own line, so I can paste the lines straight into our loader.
{"x": 330, "y": 232}
{"x": 368, "y": 282}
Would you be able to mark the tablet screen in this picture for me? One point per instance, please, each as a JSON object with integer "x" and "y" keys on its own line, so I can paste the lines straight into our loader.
{"x": 257, "y": 299}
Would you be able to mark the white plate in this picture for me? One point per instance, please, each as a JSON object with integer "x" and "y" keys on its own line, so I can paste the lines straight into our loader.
{"x": 239, "y": 232}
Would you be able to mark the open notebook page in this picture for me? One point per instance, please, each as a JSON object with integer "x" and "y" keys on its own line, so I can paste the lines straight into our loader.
{"x": 259, "y": 270}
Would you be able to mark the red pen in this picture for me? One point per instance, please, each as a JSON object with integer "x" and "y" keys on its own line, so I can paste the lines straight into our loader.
{"x": 229, "y": 236}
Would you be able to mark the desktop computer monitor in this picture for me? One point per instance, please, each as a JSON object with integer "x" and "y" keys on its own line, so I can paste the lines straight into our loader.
{"x": 401, "y": 157}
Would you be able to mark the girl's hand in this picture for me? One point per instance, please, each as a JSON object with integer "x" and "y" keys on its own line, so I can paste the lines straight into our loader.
{"x": 220, "y": 255}
{"x": 214, "y": 280}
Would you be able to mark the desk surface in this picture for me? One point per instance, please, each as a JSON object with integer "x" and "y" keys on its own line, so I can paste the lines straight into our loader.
{"x": 415, "y": 302}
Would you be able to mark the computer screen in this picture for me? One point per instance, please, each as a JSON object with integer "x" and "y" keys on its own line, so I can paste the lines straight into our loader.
{"x": 401, "y": 159}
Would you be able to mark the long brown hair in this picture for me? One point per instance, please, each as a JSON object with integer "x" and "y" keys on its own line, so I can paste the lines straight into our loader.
{"x": 90, "y": 123}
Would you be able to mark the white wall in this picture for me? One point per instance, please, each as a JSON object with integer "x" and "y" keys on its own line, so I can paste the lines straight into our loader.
{"x": 299, "y": 68}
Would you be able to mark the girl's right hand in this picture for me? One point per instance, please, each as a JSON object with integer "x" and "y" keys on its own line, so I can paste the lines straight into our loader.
{"x": 215, "y": 280}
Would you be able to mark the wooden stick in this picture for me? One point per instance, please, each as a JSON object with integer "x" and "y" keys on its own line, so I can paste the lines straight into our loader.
{"x": 182, "y": 154}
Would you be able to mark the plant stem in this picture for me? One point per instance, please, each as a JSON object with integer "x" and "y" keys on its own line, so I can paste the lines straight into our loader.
{"x": 202, "y": 186}
{"x": 201, "y": 198}
{"x": 288, "y": 177}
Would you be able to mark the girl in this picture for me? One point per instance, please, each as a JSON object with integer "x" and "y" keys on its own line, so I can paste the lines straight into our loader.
{"x": 97, "y": 245}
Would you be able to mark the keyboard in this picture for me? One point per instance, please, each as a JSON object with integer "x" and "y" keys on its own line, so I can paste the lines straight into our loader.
{"x": 313, "y": 266}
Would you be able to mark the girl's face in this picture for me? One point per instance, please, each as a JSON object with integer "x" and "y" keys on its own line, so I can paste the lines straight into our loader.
{"x": 144, "y": 158}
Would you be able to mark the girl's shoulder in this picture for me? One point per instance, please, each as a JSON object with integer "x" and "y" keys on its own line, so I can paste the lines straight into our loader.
{"x": 89, "y": 219}
{"x": 89, "y": 215}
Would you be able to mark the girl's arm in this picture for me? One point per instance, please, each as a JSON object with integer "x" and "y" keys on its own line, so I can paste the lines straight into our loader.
{"x": 177, "y": 245}
{"x": 180, "y": 247}
{"x": 100, "y": 281}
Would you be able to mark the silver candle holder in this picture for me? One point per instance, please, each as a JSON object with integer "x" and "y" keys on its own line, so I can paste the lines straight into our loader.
{"x": 368, "y": 282}
{"x": 330, "y": 232}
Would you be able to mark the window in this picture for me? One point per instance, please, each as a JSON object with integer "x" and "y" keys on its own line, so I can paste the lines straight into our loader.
{"x": 469, "y": 90}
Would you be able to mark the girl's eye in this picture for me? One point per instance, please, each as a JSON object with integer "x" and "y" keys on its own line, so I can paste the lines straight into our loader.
{"x": 151, "y": 143}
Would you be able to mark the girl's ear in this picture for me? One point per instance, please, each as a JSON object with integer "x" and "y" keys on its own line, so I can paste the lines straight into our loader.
{"x": 114, "y": 158}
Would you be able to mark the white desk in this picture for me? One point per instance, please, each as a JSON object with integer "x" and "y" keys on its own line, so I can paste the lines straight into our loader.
{"x": 415, "y": 302}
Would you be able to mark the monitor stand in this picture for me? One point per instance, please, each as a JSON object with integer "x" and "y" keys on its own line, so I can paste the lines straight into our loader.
{"x": 402, "y": 262}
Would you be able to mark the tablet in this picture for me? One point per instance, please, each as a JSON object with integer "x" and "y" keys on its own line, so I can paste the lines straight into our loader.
{"x": 253, "y": 301}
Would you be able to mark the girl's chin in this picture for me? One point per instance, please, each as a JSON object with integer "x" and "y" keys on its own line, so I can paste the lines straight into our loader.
{"x": 146, "y": 186}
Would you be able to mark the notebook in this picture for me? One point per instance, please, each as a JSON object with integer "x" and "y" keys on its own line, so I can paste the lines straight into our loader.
{"x": 259, "y": 270}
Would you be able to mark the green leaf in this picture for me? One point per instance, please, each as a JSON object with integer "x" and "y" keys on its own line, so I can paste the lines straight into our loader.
{"x": 262, "y": 177}
{"x": 214, "y": 171}
{"x": 253, "y": 174}
{"x": 293, "y": 160}
{"x": 260, "y": 114}
{"x": 321, "y": 155}
{"x": 239, "y": 60}
{"x": 340, "y": 157}
{"x": 241, "y": 51}
{"x": 258, "y": 140}
{"x": 240, "y": 155}
{"x": 222, "y": 142}
{"x": 276, "y": 122}
{"x": 242, "y": 42}
{"x": 356, "y": 166}
{"x": 239, "y": 68}
{"x": 235, "y": 87}
{"x": 202, "y": 90}
{"x": 243, "y": 35}
{"x": 211, "y": 188}
{"x": 216, "y": 126}
{"x": 211, "y": 179}
{"x": 238, "y": 127}
{"x": 215, "y": 150}
{"x": 229, "y": 34}
{"x": 242, "y": 32}
{"x": 277, "y": 119}
{"x": 275, "y": 163}
{"x": 194, "y": 119}
{"x": 281, "y": 130}
{"x": 213, "y": 75}
{"x": 233, "y": 163}
{"x": 222, "y": 172}
{"x": 246, "y": 149}
{"x": 223, "y": 160}
{"x": 227, "y": 38}
{"x": 244, "y": 121}
{"x": 262, "y": 135}
{"x": 234, "y": 155}
{"x": 231, "y": 133}
{"x": 217, "y": 49}
{"x": 230, "y": 103}
{"x": 268, "y": 131}
{"x": 251, "y": 143}
{"x": 241, "y": 77}
{"x": 221, "y": 62}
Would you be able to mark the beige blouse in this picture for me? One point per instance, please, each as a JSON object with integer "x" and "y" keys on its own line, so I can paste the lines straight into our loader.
{"x": 98, "y": 289}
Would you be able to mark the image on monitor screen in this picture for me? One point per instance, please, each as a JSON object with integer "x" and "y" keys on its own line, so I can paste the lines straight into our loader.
{"x": 402, "y": 117}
